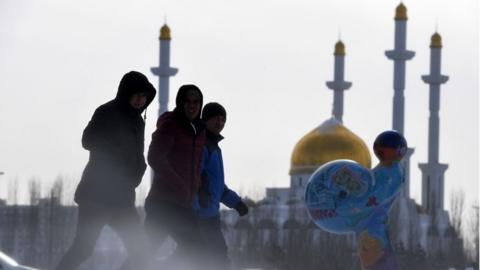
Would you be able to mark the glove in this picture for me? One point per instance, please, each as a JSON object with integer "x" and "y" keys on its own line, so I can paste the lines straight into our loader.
{"x": 241, "y": 208}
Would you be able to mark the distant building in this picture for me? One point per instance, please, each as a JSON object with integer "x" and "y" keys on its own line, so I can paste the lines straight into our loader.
{"x": 278, "y": 229}
{"x": 413, "y": 226}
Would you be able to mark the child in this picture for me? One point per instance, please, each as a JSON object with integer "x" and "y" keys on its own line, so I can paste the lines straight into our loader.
{"x": 375, "y": 250}
{"x": 213, "y": 190}
{"x": 374, "y": 246}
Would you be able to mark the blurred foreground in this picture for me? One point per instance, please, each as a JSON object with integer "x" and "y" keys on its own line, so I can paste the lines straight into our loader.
{"x": 37, "y": 235}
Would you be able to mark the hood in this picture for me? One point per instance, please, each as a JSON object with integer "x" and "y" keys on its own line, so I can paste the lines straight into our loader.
{"x": 132, "y": 83}
{"x": 180, "y": 99}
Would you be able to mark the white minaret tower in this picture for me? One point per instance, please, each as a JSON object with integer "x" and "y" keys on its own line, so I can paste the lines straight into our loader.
{"x": 164, "y": 71}
{"x": 399, "y": 55}
{"x": 338, "y": 85}
{"x": 433, "y": 171}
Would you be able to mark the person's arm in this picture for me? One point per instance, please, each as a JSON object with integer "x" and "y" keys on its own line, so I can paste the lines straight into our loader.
{"x": 231, "y": 199}
{"x": 95, "y": 135}
{"x": 203, "y": 192}
{"x": 163, "y": 141}
{"x": 98, "y": 138}
{"x": 137, "y": 168}
{"x": 139, "y": 162}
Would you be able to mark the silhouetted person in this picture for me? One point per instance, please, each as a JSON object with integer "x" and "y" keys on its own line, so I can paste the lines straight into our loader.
{"x": 214, "y": 191}
{"x": 174, "y": 156}
{"x": 106, "y": 192}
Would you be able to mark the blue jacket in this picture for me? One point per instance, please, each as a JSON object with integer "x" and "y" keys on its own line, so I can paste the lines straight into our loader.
{"x": 214, "y": 181}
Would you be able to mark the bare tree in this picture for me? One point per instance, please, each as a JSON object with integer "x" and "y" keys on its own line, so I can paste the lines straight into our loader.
{"x": 457, "y": 203}
{"x": 34, "y": 191}
{"x": 13, "y": 192}
{"x": 473, "y": 227}
{"x": 12, "y": 218}
{"x": 456, "y": 256}
{"x": 55, "y": 219}
{"x": 33, "y": 220}
{"x": 56, "y": 191}
{"x": 68, "y": 189}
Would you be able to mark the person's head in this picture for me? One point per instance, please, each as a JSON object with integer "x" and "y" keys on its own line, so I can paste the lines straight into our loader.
{"x": 138, "y": 100}
{"x": 135, "y": 91}
{"x": 189, "y": 101}
{"x": 214, "y": 117}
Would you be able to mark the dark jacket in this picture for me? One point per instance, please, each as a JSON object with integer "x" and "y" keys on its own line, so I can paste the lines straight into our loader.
{"x": 214, "y": 180}
{"x": 115, "y": 138}
{"x": 174, "y": 155}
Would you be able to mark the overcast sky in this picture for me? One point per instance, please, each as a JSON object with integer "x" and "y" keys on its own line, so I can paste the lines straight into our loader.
{"x": 266, "y": 61}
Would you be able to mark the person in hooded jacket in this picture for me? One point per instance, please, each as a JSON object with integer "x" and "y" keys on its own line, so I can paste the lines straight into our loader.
{"x": 106, "y": 192}
{"x": 174, "y": 155}
{"x": 214, "y": 191}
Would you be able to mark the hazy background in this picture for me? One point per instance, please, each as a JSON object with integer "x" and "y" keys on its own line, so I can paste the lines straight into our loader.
{"x": 266, "y": 61}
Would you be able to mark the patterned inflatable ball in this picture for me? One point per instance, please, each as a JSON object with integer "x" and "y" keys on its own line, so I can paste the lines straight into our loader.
{"x": 337, "y": 196}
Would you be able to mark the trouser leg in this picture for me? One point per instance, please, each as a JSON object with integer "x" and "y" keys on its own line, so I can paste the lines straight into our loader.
{"x": 155, "y": 233}
{"x": 89, "y": 225}
{"x": 215, "y": 248}
{"x": 180, "y": 223}
{"x": 126, "y": 223}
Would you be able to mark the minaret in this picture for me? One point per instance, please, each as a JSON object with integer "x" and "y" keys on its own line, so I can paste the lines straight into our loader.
{"x": 164, "y": 71}
{"x": 338, "y": 85}
{"x": 433, "y": 171}
{"x": 399, "y": 55}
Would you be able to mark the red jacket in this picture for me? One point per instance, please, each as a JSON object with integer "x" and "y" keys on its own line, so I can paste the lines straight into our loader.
{"x": 174, "y": 155}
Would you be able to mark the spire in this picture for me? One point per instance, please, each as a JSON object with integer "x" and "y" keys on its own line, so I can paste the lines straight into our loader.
{"x": 433, "y": 180}
{"x": 400, "y": 54}
{"x": 401, "y": 12}
{"x": 338, "y": 85}
{"x": 339, "y": 48}
{"x": 164, "y": 71}
{"x": 436, "y": 41}
{"x": 165, "y": 32}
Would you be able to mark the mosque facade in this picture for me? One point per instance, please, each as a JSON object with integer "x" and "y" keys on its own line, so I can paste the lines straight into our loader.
{"x": 282, "y": 211}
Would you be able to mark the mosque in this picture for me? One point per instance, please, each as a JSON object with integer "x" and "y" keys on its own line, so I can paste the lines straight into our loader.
{"x": 424, "y": 225}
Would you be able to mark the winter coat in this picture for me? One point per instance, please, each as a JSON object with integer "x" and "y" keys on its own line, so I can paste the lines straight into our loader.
{"x": 214, "y": 181}
{"x": 115, "y": 138}
{"x": 174, "y": 156}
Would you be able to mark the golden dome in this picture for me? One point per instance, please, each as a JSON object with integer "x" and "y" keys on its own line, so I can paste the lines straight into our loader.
{"x": 401, "y": 13}
{"x": 329, "y": 141}
{"x": 339, "y": 48}
{"x": 436, "y": 41}
{"x": 165, "y": 33}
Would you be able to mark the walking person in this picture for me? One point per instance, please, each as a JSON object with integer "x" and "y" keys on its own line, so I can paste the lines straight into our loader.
{"x": 214, "y": 191}
{"x": 174, "y": 155}
{"x": 106, "y": 192}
